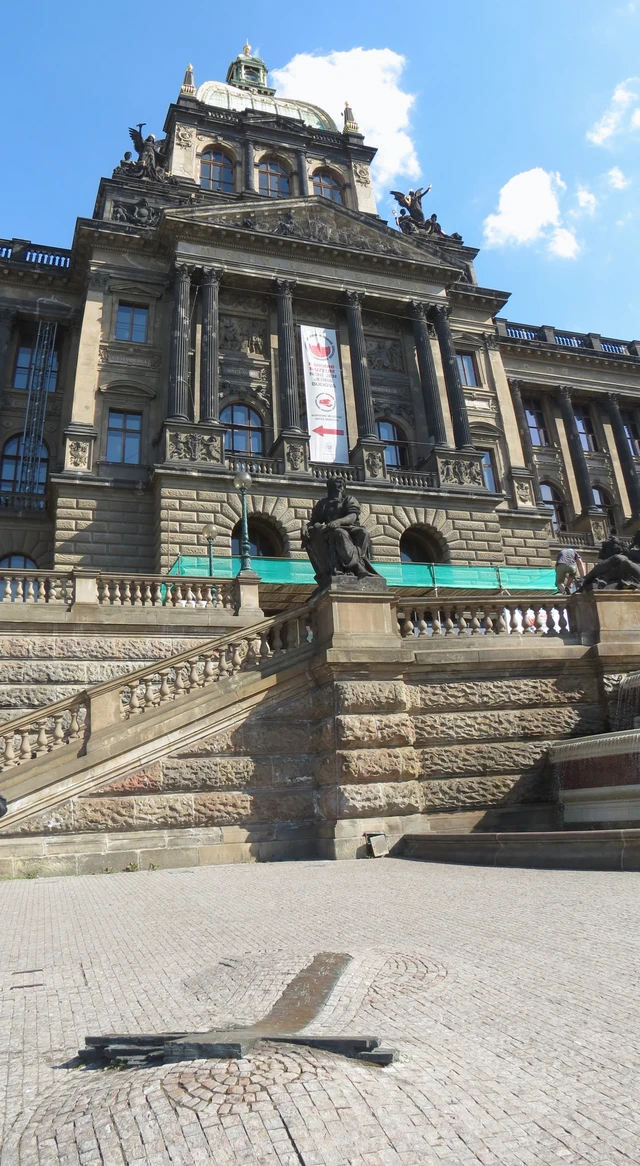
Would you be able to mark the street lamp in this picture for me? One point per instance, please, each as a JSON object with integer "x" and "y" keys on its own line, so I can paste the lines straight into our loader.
{"x": 210, "y": 531}
{"x": 242, "y": 482}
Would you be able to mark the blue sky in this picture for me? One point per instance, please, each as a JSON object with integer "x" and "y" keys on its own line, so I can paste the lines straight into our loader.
{"x": 538, "y": 100}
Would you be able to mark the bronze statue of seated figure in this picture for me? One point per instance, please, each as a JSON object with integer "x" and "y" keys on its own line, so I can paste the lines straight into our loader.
{"x": 618, "y": 566}
{"x": 334, "y": 540}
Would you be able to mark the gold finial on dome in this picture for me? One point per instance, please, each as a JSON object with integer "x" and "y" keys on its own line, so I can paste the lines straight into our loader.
{"x": 247, "y": 49}
{"x": 350, "y": 123}
{"x": 188, "y": 85}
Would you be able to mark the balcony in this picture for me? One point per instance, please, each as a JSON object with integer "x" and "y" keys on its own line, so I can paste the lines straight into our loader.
{"x": 589, "y": 342}
{"x": 23, "y": 503}
{"x": 23, "y": 253}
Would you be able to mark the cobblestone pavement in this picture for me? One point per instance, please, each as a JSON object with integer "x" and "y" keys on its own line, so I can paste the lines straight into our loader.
{"x": 511, "y": 995}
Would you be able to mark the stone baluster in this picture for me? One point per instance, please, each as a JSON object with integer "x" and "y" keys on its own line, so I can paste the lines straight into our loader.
{"x": 579, "y": 461}
{"x": 455, "y": 392}
{"x": 209, "y": 364}
{"x": 627, "y": 461}
{"x": 360, "y": 367}
{"x": 287, "y": 378}
{"x": 525, "y": 435}
{"x": 428, "y": 375}
{"x": 180, "y": 328}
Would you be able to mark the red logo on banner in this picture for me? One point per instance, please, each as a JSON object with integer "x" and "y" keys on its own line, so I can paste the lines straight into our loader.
{"x": 320, "y": 346}
{"x": 325, "y": 401}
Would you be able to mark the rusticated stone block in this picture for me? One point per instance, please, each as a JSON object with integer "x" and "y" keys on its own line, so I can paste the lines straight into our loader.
{"x": 143, "y": 781}
{"x": 223, "y": 809}
{"x": 387, "y": 731}
{"x": 481, "y": 791}
{"x": 380, "y": 799}
{"x": 274, "y": 806}
{"x": 53, "y": 821}
{"x": 103, "y": 813}
{"x": 166, "y": 810}
{"x": 509, "y": 724}
{"x": 210, "y": 773}
{"x": 508, "y": 693}
{"x": 485, "y": 759}
{"x": 370, "y": 765}
{"x": 367, "y": 696}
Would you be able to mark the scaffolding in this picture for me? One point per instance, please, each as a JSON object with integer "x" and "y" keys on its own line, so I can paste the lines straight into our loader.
{"x": 41, "y": 369}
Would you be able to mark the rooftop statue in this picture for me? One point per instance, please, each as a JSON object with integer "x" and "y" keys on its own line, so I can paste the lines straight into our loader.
{"x": 412, "y": 220}
{"x": 412, "y": 202}
{"x": 151, "y": 161}
{"x": 618, "y": 566}
{"x": 334, "y": 540}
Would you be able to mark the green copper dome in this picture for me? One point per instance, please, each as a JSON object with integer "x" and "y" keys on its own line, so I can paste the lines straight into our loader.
{"x": 246, "y": 88}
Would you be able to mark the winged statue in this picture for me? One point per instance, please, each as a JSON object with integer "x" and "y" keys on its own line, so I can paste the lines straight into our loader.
{"x": 412, "y": 202}
{"x": 150, "y": 153}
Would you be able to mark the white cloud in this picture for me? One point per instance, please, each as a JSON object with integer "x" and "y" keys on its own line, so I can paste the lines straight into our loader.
{"x": 617, "y": 179}
{"x": 370, "y": 80}
{"x": 618, "y": 117}
{"x": 586, "y": 200}
{"x": 528, "y": 210}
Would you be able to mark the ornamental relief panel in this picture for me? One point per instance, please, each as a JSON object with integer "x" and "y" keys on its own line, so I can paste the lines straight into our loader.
{"x": 374, "y": 323}
{"x": 241, "y": 303}
{"x": 384, "y": 355}
{"x": 241, "y": 334}
{"x": 129, "y": 356}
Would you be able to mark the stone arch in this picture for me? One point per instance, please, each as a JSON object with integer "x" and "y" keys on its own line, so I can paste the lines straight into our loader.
{"x": 387, "y": 525}
{"x": 35, "y": 544}
{"x": 273, "y": 511}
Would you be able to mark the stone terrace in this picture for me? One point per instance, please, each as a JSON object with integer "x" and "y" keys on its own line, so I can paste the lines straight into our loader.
{"x": 511, "y": 996}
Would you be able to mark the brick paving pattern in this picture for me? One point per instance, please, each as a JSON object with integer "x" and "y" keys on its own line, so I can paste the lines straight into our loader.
{"x": 510, "y": 995}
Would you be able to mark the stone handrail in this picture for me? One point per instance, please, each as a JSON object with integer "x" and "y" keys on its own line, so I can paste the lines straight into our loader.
{"x": 418, "y": 479}
{"x": 495, "y": 615}
{"x": 257, "y": 465}
{"x": 44, "y": 730}
{"x": 68, "y": 587}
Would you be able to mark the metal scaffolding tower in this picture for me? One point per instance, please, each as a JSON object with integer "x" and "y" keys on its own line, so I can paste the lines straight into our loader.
{"x": 41, "y": 369}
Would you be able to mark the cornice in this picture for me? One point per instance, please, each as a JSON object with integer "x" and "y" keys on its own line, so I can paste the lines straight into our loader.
{"x": 540, "y": 350}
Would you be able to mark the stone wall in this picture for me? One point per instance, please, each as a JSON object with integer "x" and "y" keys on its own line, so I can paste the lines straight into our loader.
{"x": 108, "y": 529}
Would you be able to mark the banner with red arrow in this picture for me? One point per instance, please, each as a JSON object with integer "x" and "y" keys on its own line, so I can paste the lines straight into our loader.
{"x": 324, "y": 393}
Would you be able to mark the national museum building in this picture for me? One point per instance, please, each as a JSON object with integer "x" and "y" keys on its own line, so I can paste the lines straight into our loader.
{"x": 174, "y": 343}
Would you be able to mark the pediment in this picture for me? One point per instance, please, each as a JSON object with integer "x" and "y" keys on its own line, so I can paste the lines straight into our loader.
{"x": 312, "y": 220}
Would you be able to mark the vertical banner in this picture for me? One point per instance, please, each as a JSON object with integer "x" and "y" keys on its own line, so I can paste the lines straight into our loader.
{"x": 324, "y": 395}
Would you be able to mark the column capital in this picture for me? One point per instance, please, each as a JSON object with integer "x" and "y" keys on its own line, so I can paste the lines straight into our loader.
{"x": 354, "y": 298}
{"x": 565, "y": 391}
{"x": 515, "y": 384}
{"x": 183, "y": 270}
{"x": 211, "y": 275}
{"x": 443, "y": 311}
{"x": 284, "y": 287}
{"x": 613, "y": 400}
{"x": 419, "y": 309}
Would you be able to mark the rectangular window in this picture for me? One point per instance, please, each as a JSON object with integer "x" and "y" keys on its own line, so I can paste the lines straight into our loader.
{"x": 24, "y": 359}
{"x": 123, "y": 438}
{"x": 467, "y": 369}
{"x": 535, "y": 421}
{"x": 488, "y": 472}
{"x": 632, "y": 433}
{"x": 131, "y": 323}
{"x": 585, "y": 429}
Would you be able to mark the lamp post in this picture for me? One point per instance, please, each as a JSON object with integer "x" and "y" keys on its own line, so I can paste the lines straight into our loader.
{"x": 210, "y": 531}
{"x": 242, "y": 482}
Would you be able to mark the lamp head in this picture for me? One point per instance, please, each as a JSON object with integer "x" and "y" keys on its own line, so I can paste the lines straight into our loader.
{"x": 242, "y": 480}
{"x": 210, "y": 530}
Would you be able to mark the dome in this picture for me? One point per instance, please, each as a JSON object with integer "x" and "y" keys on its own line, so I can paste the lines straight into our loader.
{"x": 225, "y": 96}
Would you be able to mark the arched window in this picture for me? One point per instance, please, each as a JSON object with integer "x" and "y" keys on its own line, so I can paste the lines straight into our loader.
{"x": 216, "y": 171}
{"x": 12, "y": 467}
{"x": 327, "y": 186}
{"x": 273, "y": 180}
{"x": 18, "y": 562}
{"x": 555, "y": 505}
{"x": 395, "y": 449}
{"x": 604, "y": 503}
{"x": 264, "y": 542}
{"x": 244, "y": 429}
{"x": 416, "y": 546}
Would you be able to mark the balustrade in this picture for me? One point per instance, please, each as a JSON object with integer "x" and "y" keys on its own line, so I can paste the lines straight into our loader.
{"x": 164, "y": 591}
{"x": 42, "y": 732}
{"x": 417, "y": 479}
{"x": 254, "y": 465}
{"x": 25, "y": 586}
{"x": 499, "y": 616}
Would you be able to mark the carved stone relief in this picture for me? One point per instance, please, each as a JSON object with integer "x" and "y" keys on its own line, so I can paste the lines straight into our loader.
{"x": 191, "y": 447}
{"x": 184, "y": 137}
{"x": 454, "y": 472}
{"x": 398, "y": 408}
{"x": 129, "y": 357}
{"x": 295, "y": 457}
{"x": 523, "y": 492}
{"x": 373, "y": 462}
{"x": 361, "y": 173}
{"x": 242, "y": 303}
{"x": 78, "y": 454}
{"x": 384, "y": 355}
{"x": 139, "y": 213}
{"x": 374, "y": 323}
{"x": 238, "y": 334}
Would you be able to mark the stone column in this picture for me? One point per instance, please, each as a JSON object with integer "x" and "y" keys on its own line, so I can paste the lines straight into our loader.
{"x": 525, "y": 436}
{"x": 627, "y": 462}
{"x": 249, "y": 167}
{"x": 455, "y": 393}
{"x": 287, "y": 378}
{"x": 360, "y": 367}
{"x": 209, "y": 372}
{"x": 303, "y": 174}
{"x": 578, "y": 459}
{"x": 7, "y": 320}
{"x": 428, "y": 375}
{"x": 179, "y": 365}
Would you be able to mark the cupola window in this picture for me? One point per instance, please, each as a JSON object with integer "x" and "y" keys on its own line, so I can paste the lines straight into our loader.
{"x": 327, "y": 186}
{"x": 273, "y": 179}
{"x": 216, "y": 171}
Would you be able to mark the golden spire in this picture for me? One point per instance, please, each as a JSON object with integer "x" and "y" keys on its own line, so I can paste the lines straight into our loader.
{"x": 188, "y": 85}
{"x": 247, "y": 49}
